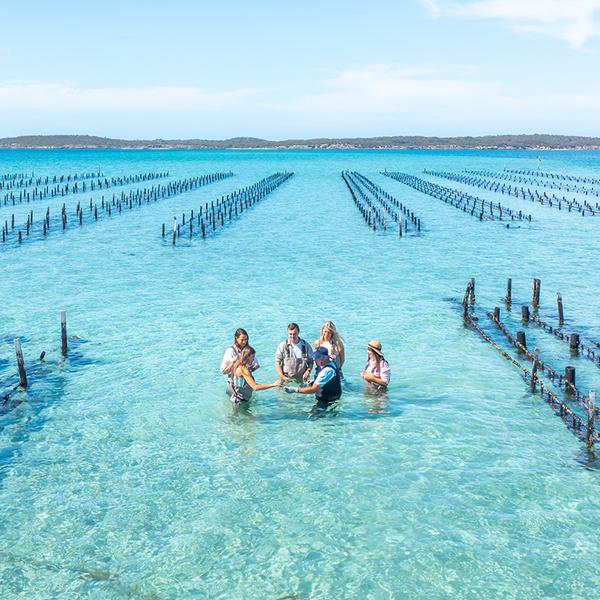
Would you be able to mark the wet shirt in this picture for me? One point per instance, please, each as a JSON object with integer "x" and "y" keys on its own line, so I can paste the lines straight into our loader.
{"x": 383, "y": 371}
{"x": 230, "y": 355}
{"x": 327, "y": 373}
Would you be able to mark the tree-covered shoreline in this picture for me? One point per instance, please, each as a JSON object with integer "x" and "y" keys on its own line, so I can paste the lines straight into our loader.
{"x": 496, "y": 142}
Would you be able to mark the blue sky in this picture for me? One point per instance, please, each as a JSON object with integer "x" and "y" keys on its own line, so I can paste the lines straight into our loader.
{"x": 182, "y": 69}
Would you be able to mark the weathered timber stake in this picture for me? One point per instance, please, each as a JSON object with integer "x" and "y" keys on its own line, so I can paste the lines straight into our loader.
{"x": 574, "y": 342}
{"x": 591, "y": 410}
{"x": 64, "y": 346}
{"x": 472, "y": 290}
{"x": 535, "y": 300}
{"x": 561, "y": 316}
{"x": 508, "y": 298}
{"x": 525, "y": 313}
{"x": 534, "y": 369}
{"x": 521, "y": 341}
{"x": 174, "y": 229}
{"x": 570, "y": 375}
{"x": 497, "y": 313}
{"x": 20, "y": 364}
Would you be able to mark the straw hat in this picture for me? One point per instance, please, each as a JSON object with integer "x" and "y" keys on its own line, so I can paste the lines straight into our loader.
{"x": 375, "y": 345}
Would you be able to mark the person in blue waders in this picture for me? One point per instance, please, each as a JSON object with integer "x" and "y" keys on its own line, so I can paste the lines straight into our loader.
{"x": 327, "y": 386}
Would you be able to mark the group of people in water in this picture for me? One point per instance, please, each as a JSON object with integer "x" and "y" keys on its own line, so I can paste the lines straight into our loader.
{"x": 316, "y": 371}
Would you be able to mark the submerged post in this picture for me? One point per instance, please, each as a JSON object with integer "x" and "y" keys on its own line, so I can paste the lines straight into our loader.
{"x": 574, "y": 343}
{"x": 20, "y": 364}
{"x": 64, "y": 347}
{"x": 570, "y": 375}
{"x": 508, "y": 298}
{"x": 591, "y": 410}
{"x": 472, "y": 290}
{"x": 521, "y": 341}
{"x": 561, "y": 316}
{"x": 525, "y": 313}
{"x": 534, "y": 369}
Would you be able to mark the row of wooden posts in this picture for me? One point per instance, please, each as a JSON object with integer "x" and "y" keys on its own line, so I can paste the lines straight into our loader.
{"x": 38, "y": 230}
{"x": 226, "y": 208}
{"x": 526, "y": 179}
{"x": 484, "y": 210}
{"x": 397, "y": 210}
{"x": 13, "y": 176}
{"x": 553, "y": 201}
{"x": 31, "y": 180}
{"x": 558, "y": 176}
{"x": 377, "y": 206}
{"x": 64, "y": 348}
{"x": 60, "y": 190}
{"x": 519, "y": 342}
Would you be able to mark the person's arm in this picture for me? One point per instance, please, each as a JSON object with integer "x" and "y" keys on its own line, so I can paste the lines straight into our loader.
{"x": 373, "y": 379}
{"x": 227, "y": 362}
{"x": 247, "y": 375}
{"x": 309, "y": 353}
{"x": 279, "y": 361}
{"x": 325, "y": 374}
{"x": 342, "y": 355}
{"x": 255, "y": 365}
{"x": 384, "y": 375}
{"x": 311, "y": 389}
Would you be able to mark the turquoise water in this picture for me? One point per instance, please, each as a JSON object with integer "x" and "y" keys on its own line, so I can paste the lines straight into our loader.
{"x": 125, "y": 473}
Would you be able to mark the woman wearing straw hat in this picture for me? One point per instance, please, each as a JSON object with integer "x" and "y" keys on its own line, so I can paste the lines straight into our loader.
{"x": 377, "y": 370}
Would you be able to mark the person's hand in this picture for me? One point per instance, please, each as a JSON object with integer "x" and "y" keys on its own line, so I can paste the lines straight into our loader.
{"x": 290, "y": 390}
{"x": 277, "y": 383}
{"x": 306, "y": 375}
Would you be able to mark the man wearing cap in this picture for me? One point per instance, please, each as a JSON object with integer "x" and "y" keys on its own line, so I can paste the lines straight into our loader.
{"x": 377, "y": 369}
{"x": 327, "y": 387}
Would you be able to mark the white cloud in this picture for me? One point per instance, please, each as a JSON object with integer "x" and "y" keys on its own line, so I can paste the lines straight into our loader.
{"x": 575, "y": 21}
{"x": 48, "y": 96}
{"x": 392, "y": 100}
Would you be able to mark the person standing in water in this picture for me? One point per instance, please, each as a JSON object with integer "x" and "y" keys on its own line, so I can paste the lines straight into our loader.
{"x": 377, "y": 370}
{"x": 331, "y": 340}
{"x": 327, "y": 387}
{"x": 240, "y": 341}
{"x": 243, "y": 383}
{"x": 293, "y": 358}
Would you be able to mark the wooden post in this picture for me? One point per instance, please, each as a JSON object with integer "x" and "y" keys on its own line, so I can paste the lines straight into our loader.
{"x": 20, "y": 364}
{"x": 561, "y": 316}
{"x": 497, "y": 314}
{"x": 574, "y": 342}
{"x": 521, "y": 341}
{"x": 534, "y": 369}
{"x": 472, "y": 290}
{"x": 591, "y": 410}
{"x": 535, "y": 300}
{"x": 570, "y": 375}
{"x": 174, "y": 229}
{"x": 508, "y": 298}
{"x": 64, "y": 347}
{"x": 525, "y": 313}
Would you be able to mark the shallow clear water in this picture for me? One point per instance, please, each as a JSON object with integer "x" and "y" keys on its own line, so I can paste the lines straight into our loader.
{"x": 125, "y": 473}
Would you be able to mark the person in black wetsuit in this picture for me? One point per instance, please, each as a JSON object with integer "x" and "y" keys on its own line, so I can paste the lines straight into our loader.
{"x": 327, "y": 387}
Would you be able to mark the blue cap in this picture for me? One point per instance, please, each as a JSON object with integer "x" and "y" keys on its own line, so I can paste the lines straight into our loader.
{"x": 321, "y": 353}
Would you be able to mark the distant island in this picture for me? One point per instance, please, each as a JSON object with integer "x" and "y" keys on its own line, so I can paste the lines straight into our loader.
{"x": 486, "y": 142}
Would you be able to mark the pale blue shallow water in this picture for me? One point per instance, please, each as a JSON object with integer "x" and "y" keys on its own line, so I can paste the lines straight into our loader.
{"x": 124, "y": 473}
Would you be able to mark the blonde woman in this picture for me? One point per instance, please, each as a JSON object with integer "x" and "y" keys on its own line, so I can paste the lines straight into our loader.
{"x": 331, "y": 340}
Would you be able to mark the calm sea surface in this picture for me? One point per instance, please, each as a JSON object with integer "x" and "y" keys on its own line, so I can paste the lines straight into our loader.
{"x": 125, "y": 472}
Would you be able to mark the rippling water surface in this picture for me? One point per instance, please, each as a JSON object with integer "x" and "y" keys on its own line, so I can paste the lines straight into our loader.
{"x": 125, "y": 473}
